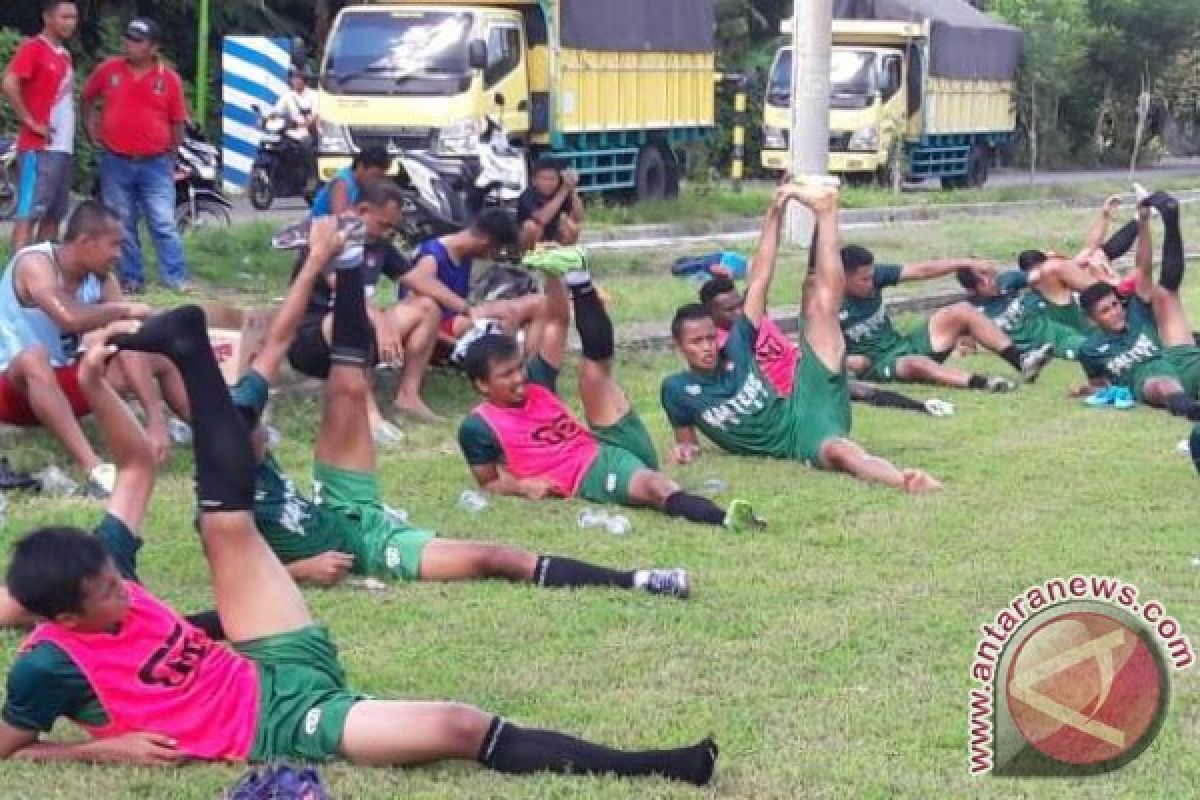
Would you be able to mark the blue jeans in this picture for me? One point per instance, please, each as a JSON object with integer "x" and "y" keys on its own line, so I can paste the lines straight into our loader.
{"x": 134, "y": 187}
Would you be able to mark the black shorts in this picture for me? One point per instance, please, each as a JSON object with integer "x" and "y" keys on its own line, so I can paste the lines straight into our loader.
{"x": 311, "y": 355}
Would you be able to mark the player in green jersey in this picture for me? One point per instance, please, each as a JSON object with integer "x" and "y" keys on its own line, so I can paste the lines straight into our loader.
{"x": 725, "y": 395}
{"x": 345, "y": 527}
{"x": 881, "y": 353}
{"x": 1003, "y": 300}
{"x": 1147, "y": 344}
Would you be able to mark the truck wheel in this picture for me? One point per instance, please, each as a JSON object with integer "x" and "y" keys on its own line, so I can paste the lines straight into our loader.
{"x": 978, "y": 164}
{"x": 651, "y": 174}
{"x": 674, "y": 175}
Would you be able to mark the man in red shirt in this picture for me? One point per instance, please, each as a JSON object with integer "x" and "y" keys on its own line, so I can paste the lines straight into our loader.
{"x": 140, "y": 126}
{"x": 39, "y": 86}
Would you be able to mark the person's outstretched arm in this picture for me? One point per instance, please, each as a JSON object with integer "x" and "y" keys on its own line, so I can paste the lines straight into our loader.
{"x": 941, "y": 267}
{"x": 762, "y": 266}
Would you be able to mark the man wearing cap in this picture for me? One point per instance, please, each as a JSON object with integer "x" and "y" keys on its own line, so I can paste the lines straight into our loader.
{"x": 140, "y": 126}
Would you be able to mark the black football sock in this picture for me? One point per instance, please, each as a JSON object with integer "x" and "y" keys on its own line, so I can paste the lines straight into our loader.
{"x": 515, "y": 750}
{"x": 885, "y": 398}
{"x": 1122, "y": 241}
{"x": 694, "y": 508}
{"x": 1012, "y": 354}
{"x": 594, "y": 325}
{"x": 351, "y": 326}
{"x": 553, "y": 572}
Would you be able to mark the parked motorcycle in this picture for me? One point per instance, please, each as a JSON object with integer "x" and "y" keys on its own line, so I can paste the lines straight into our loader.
{"x": 199, "y": 201}
{"x": 282, "y": 167}
{"x": 443, "y": 195}
{"x": 8, "y": 178}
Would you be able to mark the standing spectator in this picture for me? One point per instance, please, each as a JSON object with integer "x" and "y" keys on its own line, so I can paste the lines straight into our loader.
{"x": 39, "y": 85}
{"x": 140, "y": 126}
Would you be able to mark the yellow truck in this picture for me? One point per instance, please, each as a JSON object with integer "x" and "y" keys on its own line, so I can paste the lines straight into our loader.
{"x": 616, "y": 89}
{"x": 922, "y": 87}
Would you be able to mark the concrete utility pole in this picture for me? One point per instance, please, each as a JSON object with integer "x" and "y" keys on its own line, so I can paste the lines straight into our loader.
{"x": 812, "y": 41}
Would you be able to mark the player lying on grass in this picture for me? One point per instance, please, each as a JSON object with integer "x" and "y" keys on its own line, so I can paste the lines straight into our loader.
{"x": 168, "y": 694}
{"x": 1146, "y": 345}
{"x": 1021, "y": 314}
{"x": 777, "y": 355}
{"x": 119, "y": 530}
{"x": 725, "y": 394}
{"x": 878, "y": 352}
{"x": 345, "y": 528}
{"x": 523, "y": 441}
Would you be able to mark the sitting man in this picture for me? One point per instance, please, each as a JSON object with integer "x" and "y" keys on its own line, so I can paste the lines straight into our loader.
{"x": 341, "y": 193}
{"x": 777, "y": 354}
{"x": 1147, "y": 345}
{"x": 50, "y": 295}
{"x": 347, "y": 528}
{"x": 523, "y": 441}
{"x": 119, "y": 530}
{"x": 550, "y": 210}
{"x": 448, "y": 262}
{"x": 166, "y": 694}
{"x": 725, "y": 394}
{"x": 1020, "y": 314}
{"x": 880, "y": 353}
{"x": 406, "y": 333}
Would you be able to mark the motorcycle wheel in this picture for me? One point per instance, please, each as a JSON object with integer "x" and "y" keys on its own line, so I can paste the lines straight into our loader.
{"x": 261, "y": 193}
{"x": 209, "y": 214}
{"x": 8, "y": 191}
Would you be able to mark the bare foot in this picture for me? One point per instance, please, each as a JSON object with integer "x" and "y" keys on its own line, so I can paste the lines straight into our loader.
{"x": 818, "y": 198}
{"x": 417, "y": 410}
{"x": 918, "y": 481}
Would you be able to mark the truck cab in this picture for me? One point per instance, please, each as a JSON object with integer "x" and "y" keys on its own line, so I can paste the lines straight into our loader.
{"x": 868, "y": 109}
{"x": 421, "y": 77}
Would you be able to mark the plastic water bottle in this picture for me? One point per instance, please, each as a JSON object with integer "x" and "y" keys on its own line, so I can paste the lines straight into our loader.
{"x": 367, "y": 584}
{"x": 179, "y": 431}
{"x": 618, "y": 525}
{"x": 55, "y": 482}
{"x": 274, "y": 437}
{"x": 396, "y": 515}
{"x": 713, "y": 486}
{"x": 592, "y": 518}
{"x": 472, "y": 501}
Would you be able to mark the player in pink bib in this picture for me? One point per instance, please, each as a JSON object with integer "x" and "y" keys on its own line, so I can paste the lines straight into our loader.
{"x": 777, "y": 355}
{"x": 523, "y": 441}
{"x": 166, "y": 693}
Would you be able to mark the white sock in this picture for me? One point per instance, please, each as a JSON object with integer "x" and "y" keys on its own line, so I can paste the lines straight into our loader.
{"x": 641, "y": 578}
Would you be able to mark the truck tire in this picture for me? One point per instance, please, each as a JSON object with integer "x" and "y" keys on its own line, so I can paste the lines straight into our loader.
{"x": 978, "y": 164}
{"x": 674, "y": 174}
{"x": 651, "y": 174}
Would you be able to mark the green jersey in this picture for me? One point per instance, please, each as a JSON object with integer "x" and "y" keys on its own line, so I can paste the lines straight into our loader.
{"x": 1070, "y": 314}
{"x": 1007, "y": 310}
{"x": 735, "y": 406}
{"x": 1131, "y": 357}
{"x": 291, "y": 523}
{"x": 865, "y": 322}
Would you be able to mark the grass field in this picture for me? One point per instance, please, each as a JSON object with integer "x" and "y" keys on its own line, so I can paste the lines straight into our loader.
{"x": 830, "y": 655}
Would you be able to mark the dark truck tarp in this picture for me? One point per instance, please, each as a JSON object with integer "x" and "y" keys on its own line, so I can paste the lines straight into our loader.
{"x": 965, "y": 43}
{"x": 670, "y": 26}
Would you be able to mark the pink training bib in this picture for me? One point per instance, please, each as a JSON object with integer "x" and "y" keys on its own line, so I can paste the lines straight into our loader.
{"x": 159, "y": 674}
{"x": 542, "y": 439}
{"x": 775, "y": 353}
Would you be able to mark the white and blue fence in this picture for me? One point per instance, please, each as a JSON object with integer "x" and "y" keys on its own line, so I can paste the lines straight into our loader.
{"x": 254, "y": 72}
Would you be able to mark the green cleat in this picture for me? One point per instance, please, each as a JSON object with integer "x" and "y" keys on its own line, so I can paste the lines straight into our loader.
{"x": 740, "y": 518}
{"x": 556, "y": 260}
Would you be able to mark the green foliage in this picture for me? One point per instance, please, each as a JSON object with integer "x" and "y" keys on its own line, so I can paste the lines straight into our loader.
{"x": 9, "y": 39}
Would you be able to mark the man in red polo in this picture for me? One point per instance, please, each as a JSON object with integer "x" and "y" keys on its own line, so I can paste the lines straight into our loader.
{"x": 39, "y": 86}
{"x": 140, "y": 126}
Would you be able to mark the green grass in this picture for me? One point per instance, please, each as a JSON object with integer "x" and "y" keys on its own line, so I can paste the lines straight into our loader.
{"x": 830, "y": 656}
{"x": 701, "y": 204}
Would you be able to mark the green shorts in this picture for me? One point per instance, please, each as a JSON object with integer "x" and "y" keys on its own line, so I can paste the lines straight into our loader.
{"x": 819, "y": 407}
{"x": 303, "y": 699}
{"x": 381, "y": 546}
{"x": 1066, "y": 341}
{"x": 1186, "y": 359}
{"x": 625, "y": 448}
{"x": 915, "y": 343}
